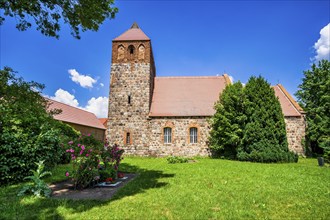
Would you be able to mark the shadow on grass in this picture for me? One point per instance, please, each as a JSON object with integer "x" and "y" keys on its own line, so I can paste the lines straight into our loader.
{"x": 36, "y": 208}
{"x": 146, "y": 179}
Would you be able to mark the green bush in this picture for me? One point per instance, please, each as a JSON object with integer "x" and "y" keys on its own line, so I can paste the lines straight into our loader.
{"x": 249, "y": 124}
{"x": 28, "y": 133}
{"x": 176, "y": 159}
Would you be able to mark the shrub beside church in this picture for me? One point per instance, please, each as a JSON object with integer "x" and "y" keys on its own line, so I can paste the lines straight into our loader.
{"x": 249, "y": 124}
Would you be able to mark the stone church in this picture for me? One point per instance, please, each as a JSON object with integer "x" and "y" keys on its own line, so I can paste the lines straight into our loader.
{"x": 161, "y": 116}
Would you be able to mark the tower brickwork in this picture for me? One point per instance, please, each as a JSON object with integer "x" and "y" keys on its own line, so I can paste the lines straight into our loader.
{"x": 131, "y": 85}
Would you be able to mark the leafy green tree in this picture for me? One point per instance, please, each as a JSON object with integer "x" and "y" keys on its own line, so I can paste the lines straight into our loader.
{"x": 264, "y": 135}
{"x": 28, "y": 133}
{"x": 228, "y": 122}
{"x": 81, "y": 15}
{"x": 314, "y": 96}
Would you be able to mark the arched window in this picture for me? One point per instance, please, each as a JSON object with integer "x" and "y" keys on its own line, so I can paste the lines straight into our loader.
{"x": 121, "y": 52}
{"x": 167, "y": 135}
{"x": 193, "y": 135}
{"x": 141, "y": 52}
{"x": 131, "y": 49}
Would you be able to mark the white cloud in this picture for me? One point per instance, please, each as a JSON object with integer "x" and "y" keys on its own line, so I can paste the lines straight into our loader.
{"x": 101, "y": 84}
{"x": 322, "y": 46}
{"x": 99, "y": 106}
{"x": 83, "y": 80}
{"x": 65, "y": 97}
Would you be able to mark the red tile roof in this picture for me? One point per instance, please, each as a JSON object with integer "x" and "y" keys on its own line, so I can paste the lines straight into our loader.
{"x": 186, "y": 96}
{"x": 134, "y": 33}
{"x": 195, "y": 96}
{"x": 103, "y": 121}
{"x": 289, "y": 106}
{"x": 75, "y": 115}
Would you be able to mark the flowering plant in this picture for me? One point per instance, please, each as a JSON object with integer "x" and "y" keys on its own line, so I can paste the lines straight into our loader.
{"x": 112, "y": 156}
{"x": 120, "y": 175}
{"x": 86, "y": 154}
{"x": 109, "y": 180}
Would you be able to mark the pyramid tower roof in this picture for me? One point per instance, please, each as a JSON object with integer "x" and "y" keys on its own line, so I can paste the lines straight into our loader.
{"x": 132, "y": 34}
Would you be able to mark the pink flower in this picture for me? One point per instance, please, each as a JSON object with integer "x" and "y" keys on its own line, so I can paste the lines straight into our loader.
{"x": 90, "y": 150}
{"x": 67, "y": 173}
{"x": 81, "y": 152}
{"x": 70, "y": 142}
{"x": 87, "y": 155}
{"x": 88, "y": 134}
{"x": 82, "y": 147}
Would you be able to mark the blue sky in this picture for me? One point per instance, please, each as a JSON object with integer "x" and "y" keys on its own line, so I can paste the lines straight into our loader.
{"x": 275, "y": 39}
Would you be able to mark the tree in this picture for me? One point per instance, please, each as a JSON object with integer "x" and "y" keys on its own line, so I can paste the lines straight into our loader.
{"x": 228, "y": 122}
{"x": 314, "y": 96}
{"x": 28, "y": 133}
{"x": 264, "y": 135}
{"x": 81, "y": 15}
{"x": 249, "y": 124}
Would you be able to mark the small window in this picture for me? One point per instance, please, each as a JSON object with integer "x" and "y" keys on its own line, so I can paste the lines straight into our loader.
{"x": 193, "y": 135}
{"x": 167, "y": 135}
{"x": 131, "y": 49}
{"x": 128, "y": 138}
{"x": 129, "y": 99}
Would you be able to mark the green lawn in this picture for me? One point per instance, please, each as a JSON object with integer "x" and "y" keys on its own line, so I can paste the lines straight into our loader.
{"x": 207, "y": 189}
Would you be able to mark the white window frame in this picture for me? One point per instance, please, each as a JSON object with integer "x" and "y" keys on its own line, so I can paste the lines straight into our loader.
{"x": 167, "y": 135}
{"x": 193, "y": 132}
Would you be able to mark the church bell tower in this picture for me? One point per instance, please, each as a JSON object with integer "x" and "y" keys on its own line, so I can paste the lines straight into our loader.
{"x": 131, "y": 86}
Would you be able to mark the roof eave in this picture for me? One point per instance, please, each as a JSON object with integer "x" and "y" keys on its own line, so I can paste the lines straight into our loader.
{"x": 82, "y": 124}
{"x": 115, "y": 40}
{"x": 293, "y": 102}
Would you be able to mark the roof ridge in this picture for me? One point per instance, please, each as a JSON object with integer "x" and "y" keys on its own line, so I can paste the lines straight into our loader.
{"x": 188, "y": 77}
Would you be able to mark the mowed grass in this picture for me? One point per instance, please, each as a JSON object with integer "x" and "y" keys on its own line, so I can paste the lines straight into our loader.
{"x": 207, "y": 189}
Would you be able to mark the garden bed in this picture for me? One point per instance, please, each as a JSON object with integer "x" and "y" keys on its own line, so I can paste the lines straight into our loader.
{"x": 65, "y": 190}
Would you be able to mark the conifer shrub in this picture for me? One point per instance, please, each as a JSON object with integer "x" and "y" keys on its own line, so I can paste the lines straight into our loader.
{"x": 249, "y": 124}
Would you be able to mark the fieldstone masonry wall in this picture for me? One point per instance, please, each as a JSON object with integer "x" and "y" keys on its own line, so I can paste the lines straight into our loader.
{"x": 129, "y": 104}
{"x": 295, "y": 131}
{"x": 180, "y": 145}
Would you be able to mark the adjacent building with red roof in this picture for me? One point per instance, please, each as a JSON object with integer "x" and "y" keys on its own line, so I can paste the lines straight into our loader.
{"x": 81, "y": 120}
{"x": 162, "y": 116}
